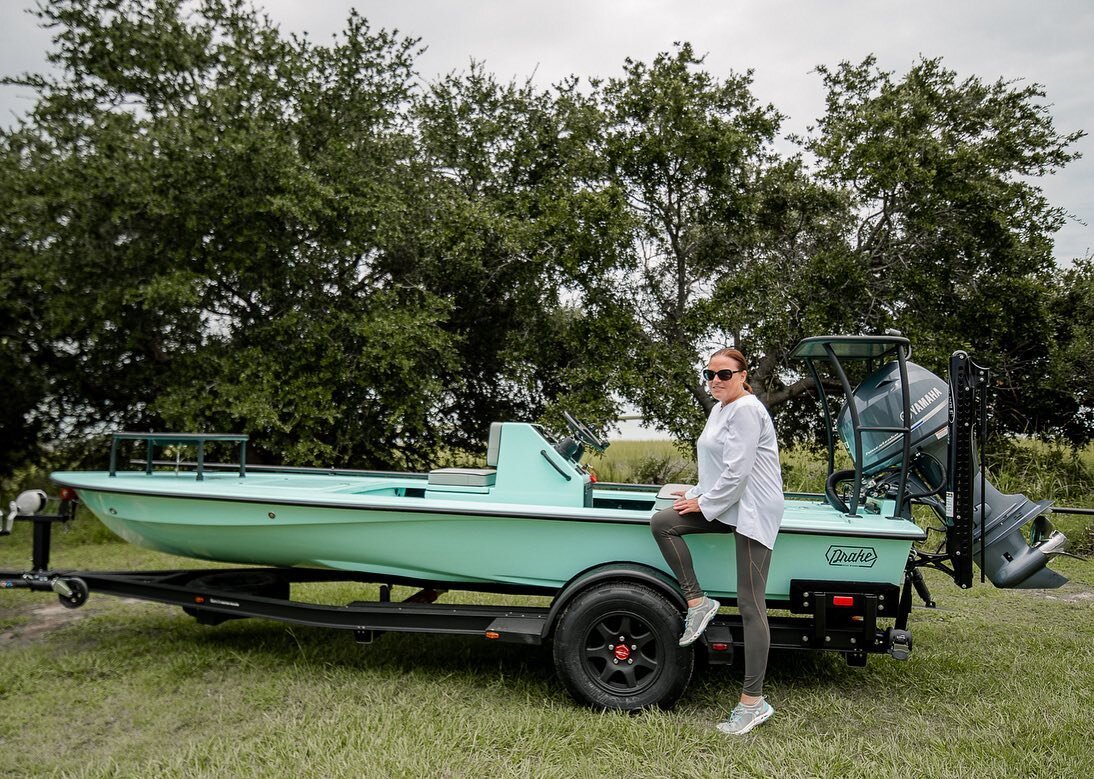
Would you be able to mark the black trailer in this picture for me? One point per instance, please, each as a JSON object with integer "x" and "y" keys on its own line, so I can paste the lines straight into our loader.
{"x": 614, "y": 627}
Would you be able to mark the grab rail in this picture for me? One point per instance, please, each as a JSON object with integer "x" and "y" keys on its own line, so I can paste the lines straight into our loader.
{"x": 554, "y": 465}
{"x": 151, "y": 440}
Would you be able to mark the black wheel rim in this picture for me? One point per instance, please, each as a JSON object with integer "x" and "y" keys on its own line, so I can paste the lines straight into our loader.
{"x": 622, "y": 654}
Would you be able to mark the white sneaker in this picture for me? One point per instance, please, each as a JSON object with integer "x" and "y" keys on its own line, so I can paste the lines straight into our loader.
{"x": 744, "y": 718}
{"x": 697, "y": 619}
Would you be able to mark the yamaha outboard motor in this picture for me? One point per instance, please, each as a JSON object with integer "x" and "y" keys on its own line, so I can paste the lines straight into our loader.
{"x": 879, "y": 404}
{"x": 1009, "y": 560}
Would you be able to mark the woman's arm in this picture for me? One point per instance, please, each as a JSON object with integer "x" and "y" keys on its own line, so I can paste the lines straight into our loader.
{"x": 739, "y": 448}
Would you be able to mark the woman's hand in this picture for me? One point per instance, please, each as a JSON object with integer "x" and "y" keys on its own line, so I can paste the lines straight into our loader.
{"x": 686, "y": 505}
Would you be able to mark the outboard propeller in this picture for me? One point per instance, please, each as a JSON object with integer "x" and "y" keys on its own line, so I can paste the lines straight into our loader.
{"x": 1010, "y": 560}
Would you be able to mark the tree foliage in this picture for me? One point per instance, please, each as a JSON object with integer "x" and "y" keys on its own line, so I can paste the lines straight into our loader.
{"x": 213, "y": 214}
{"x": 691, "y": 154}
{"x": 524, "y": 234}
{"x": 951, "y": 236}
{"x": 1069, "y": 384}
{"x": 209, "y": 225}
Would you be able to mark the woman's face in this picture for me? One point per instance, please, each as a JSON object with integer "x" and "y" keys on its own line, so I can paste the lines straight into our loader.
{"x": 727, "y": 390}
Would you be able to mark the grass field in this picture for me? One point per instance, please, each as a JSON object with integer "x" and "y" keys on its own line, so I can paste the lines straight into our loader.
{"x": 1000, "y": 684}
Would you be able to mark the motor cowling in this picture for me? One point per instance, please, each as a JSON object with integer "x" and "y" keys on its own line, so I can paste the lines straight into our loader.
{"x": 1009, "y": 560}
{"x": 879, "y": 402}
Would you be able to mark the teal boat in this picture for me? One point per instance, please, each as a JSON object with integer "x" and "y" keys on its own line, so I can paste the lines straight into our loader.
{"x": 535, "y": 521}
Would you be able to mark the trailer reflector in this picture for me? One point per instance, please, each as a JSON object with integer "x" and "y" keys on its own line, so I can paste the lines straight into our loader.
{"x": 493, "y": 634}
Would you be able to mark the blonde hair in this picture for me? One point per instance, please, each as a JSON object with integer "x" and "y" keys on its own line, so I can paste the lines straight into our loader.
{"x": 736, "y": 355}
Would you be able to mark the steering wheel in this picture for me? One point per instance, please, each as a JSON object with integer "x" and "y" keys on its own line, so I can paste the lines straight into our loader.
{"x": 583, "y": 434}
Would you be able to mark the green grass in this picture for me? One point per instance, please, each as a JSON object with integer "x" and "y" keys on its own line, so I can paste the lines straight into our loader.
{"x": 1000, "y": 684}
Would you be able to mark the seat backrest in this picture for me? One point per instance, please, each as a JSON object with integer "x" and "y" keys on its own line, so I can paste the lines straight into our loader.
{"x": 493, "y": 445}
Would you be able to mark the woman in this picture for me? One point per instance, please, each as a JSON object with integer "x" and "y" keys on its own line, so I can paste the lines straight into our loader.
{"x": 739, "y": 491}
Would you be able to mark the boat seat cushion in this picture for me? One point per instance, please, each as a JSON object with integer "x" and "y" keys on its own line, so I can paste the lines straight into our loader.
{"x": 665, "y": 498}
{"x": 463, "y": 477}
{"x": 668, "y": 489}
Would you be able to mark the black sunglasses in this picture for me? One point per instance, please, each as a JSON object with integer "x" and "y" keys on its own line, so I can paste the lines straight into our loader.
{"x": 725, "y": 374}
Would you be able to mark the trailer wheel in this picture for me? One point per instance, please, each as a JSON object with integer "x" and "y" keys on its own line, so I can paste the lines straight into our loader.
{"x": 78, "y": 588}
{"x": 616, "y": 648}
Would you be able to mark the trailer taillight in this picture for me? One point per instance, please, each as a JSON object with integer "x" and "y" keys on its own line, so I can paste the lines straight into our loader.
{"x": 718, "y": 646}
{"x": 67, "y": 493}
{"x": 843, "y": 600}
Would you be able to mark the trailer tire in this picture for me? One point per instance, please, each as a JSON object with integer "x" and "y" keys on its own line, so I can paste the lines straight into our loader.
{"x": 646, "y": 668}
{"x": 79, "y": 590}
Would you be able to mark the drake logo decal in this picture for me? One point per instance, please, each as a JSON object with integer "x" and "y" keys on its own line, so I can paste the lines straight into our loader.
{"x": 852, "y": 556}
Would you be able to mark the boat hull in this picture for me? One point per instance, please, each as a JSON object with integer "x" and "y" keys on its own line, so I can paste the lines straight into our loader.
{"x": 388, "y": 529}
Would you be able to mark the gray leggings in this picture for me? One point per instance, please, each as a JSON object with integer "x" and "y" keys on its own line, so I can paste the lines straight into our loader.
{"x": 753, "y": 562}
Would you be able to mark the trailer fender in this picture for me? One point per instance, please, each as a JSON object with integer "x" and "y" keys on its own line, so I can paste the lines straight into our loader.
{"x": 620, "y": 571}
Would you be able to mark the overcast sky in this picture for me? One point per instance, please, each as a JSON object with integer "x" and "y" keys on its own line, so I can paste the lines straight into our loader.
{"x": 1049, "y": 42}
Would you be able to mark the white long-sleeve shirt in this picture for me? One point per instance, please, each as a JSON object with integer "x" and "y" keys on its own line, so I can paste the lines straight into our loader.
{"x": 740, "y": 479}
